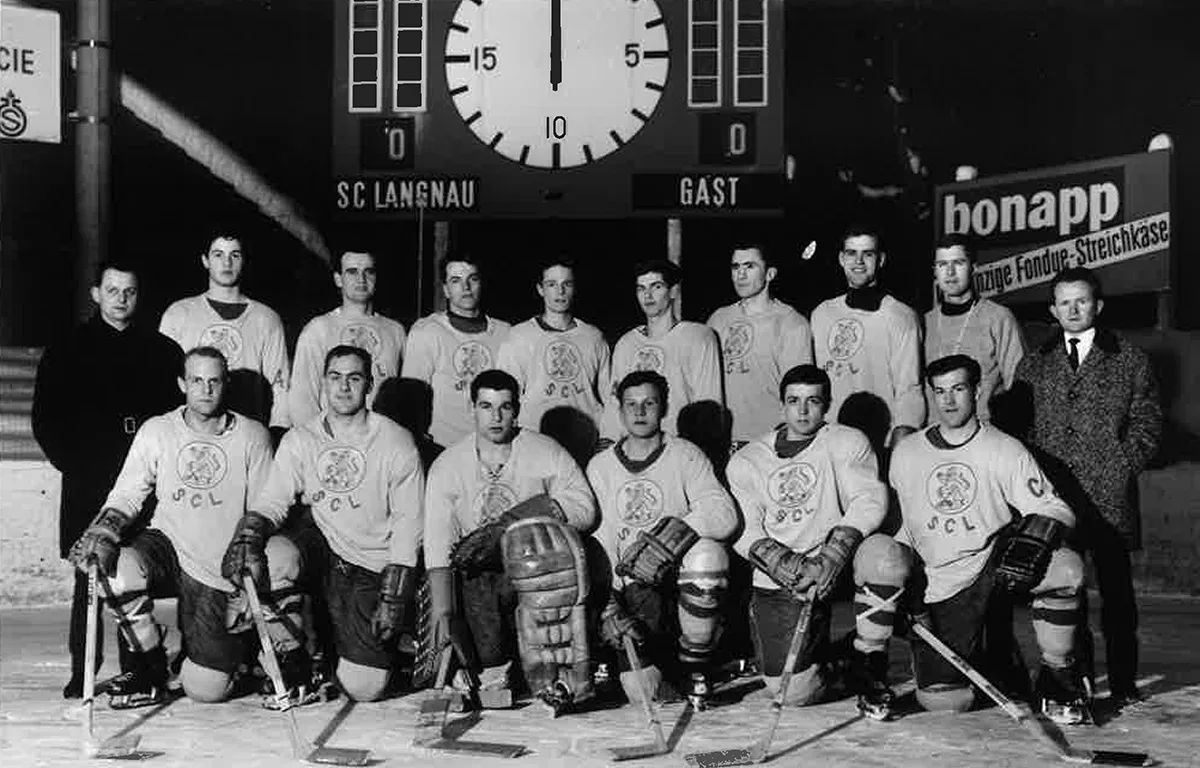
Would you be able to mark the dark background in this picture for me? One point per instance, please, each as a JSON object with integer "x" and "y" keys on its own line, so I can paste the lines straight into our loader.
{"x": 1004, "y": 86}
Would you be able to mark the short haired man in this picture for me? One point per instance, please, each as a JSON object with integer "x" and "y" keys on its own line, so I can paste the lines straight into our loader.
{"x": 557, "y": 359}
{"x": 248, "y": 333}
{"x": 130, "y": 372}
{"x": 761, "y": 338}
{"x": 686, "y": 354}
{"x": 503, "y": 511}
{"x": 356, "y": 323}
{"x": 812, "y": 501}
{"x": 448, "y": 349}
{"x": 1097, "y": 416}
{"x": 983, "y": 519}
{"x": 665, "y": 523}
{"x": 965, "y": 323}
{"x": 204, "y": 462}
{"x": 869, "y": 341}
{"x": 361, "y": 475}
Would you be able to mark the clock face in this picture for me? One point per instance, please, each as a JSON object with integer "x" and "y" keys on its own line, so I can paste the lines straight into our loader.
{"x": 556, "y": 83}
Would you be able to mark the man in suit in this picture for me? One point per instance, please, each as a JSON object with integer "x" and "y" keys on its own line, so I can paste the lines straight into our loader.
{"x": 1097, "y": 421}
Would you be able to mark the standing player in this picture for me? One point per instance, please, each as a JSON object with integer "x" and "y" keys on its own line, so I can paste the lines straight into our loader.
{"x": 556, "y": 358}
{"x": 203, "y": 462}
{"x": 761, "y": 338}
{"x": 959, "y": 482}
{"x": 86, "y": 438}
{"x": 810, "y": 492}
{"x": 361, "y": 476}
{"x": 355, "y": 323}
{"x": 964, "y": 323}
{"x": 502, "y": 511}
{"x": 664, "y": 524}
{"x": 249, "y": 334}
{"x": 867, "y": 341}
{"x": 448, "y": 349}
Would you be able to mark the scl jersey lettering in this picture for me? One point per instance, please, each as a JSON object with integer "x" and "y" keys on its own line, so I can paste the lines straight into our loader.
{"x": 336, "y": 501}
{"x": 950, "y": 525}
{"x": 196, "y": 499}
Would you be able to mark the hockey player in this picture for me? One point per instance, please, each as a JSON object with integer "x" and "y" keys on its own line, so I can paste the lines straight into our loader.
{"x": 810, "y": 492}
{"x": 503, "y": 509}
{"x": 204, "y": 462}
{"x": 965, "y": 323}
{"x": 556, "y": 358}
{"x": 665, "y": 521}
{"x": 249, "y": 334}
{"x": 361, "y": 476}
{"x": 959, "y": 482}
{"x": 446, "y": 350}
{"x": 868, "y": 341}
{"x": 761, "y": 338}
{"x": 686, "y": 354}
{"x": 355, "y": 323}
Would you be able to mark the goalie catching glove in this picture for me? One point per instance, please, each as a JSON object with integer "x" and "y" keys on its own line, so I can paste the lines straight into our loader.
{"x": 100, "y": 540}
{"x": 797, "y": 573}
{"x": 247, "y": 552}
{"x": 396, "y": 586}
{"x": 479, "y": 550}
{"x": 657, "y": 552}
{"x": 1025, "y": 557}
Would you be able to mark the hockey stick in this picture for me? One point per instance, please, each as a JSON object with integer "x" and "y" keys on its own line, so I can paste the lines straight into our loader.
{"x": 301, "y": 748}
{"x": 114, "y": 746}
{"x": 757, "y": 752}
{"x": 1025, "y": 717}
{"x": 431, "y": 718}
{"x": 638, "y": 751}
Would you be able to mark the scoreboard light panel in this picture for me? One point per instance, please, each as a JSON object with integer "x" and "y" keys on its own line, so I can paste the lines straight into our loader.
{"x": 558, "y": 108}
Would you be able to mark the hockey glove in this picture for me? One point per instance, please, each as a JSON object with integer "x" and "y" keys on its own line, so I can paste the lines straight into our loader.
{"x": 657, "y": 552}
{"x": 778, "y": 561}
{"x": 616, "y": 622}
{"x": 247, "y": 552}
{"x": 397, "y": 584}
{"x": 479, "y": 550}
{"x": 1025, "y": 557}
{"x": 824, "y": 568}
{"x": 449, "y": 626}
{"x": 100, "y": 540}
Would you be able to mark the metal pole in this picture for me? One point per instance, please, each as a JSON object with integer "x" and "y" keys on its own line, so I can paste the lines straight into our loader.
{"x": 441, "y": 246}
{"x": 675, "y": 255}
{"x": 93, "y": 95}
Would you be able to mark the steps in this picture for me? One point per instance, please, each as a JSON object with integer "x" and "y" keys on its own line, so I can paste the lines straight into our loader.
{"x": 18, "y": 370}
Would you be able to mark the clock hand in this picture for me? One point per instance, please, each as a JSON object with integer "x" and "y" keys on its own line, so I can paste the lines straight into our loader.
{"x": 555, "y": 43}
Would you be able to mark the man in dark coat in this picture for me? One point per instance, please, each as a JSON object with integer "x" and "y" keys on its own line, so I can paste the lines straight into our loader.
{"x": 94, "y": 389}
{"x": 1097, "y": 421}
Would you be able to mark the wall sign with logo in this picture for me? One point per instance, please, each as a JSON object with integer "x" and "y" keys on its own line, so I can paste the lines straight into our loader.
{"x": 30, "y": 92}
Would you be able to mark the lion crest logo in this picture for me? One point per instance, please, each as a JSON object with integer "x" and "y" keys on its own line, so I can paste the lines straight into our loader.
{"x": 951, "y": 488}
{"x": 650, "y": 358}
{"x": 640, "y": 502}
{"x": 738, "y": 340}
{"x": 201, "y": 465}
{"x": 227, "y": 339}
{"x": 470, "y": 358}
{"x": 563, "y": 361}
{"x": 341, "y": 469}
{"x": 493, "y": 500}
{"x": 362, "y": 336}
{"x": 792, "y": 484}
{"x": 845, "y": 338}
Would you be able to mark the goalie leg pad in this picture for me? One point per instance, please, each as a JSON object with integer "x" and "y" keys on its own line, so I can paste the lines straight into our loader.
{"x": 545, "y": 563}
{"x": 703, "y": 584}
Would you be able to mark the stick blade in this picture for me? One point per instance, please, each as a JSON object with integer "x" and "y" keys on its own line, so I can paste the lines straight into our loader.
{"x": 636, "y": 752}
{"x": 339, "y": 756}
{"x": 477, "y": 747}
{"x": 115, "y": 748}
{"x": 722, "y": 758}
{"x": 1105, "y": 757}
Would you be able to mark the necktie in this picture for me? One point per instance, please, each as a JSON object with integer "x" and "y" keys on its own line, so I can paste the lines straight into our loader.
{"x": 1073, "y": 355}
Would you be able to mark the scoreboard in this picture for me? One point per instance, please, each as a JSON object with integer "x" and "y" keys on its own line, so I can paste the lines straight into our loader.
{"x": 558, "y": 108}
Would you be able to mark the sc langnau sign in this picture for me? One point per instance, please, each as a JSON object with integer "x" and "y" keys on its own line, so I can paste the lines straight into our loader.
{"x": 1028, "y": 226}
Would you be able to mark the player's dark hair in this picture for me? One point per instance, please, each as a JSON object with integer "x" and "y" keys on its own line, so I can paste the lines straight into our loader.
{"x": 225, "y": 235}
{"x": 1077, "y": 275}
{"x": 337, "y": 262}
{"x": 497, "y": 380}
{"x": 638, "y": 378}
{"x": 463, "y": 258}
{"x": 349, "y": 350}
{"x": 944, "y": 365}
{"x": 671, "y": 273}
{"x": 116, "y": 265}
{"x": 204, "y": 351}
{"x": 859, "y": 229}
{"x": 956, "y": 240}
{"x": 756, "y": 245}
{"x": 805, "y": 374}
{"x": 554, "y": 260}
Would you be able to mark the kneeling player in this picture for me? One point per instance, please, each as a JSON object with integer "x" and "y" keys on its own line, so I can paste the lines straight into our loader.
{"x": 204, "y": 462}
{"x": 664, "y": 518}
{"x": 503, "y": 509}
{"x": 959, "y": 481}
{"x": 361, "y": 475}
{"x": 809, "y": 492}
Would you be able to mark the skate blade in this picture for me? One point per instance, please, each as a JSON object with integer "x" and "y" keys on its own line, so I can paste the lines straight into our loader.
{"x": 339, "y": 756}
{"x": 725, "y": 757}
{"x": 635, "y": 752}
{"x": 477, "y": 747}
{"x": 115, "y": 748}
